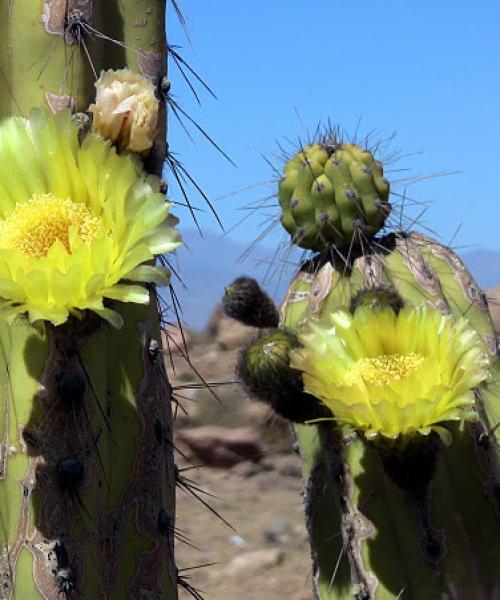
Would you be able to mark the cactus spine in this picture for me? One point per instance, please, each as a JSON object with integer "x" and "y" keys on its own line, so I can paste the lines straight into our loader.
{"x": 388, "y": 518}
{"x": 87, "y": 482}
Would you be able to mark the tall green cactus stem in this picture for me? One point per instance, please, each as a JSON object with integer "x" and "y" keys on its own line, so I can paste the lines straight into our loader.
{"x": 369, "y": 538}
{"x": 87, "y": 482}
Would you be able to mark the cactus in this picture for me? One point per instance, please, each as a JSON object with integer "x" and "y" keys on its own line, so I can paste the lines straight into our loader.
{"x": 400, "y": 499}
{"x": 333, "y": 194}
{"x": 87, "y": 479}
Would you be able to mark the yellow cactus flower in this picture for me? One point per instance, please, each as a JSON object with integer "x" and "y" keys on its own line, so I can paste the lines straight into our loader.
{"x": 125, "y": 110}
{"x": 391, "y": 375}
{"x": 77, "y": 222}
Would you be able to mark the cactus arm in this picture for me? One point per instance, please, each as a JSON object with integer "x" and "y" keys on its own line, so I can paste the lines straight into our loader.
{"x": 403, "y": 512}
{"x": 389, "y": 546}
{"x": 381, "y": 536}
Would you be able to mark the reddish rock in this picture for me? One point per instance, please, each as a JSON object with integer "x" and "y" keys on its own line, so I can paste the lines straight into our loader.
{"x": 176, "y": 341}
{"x": 221, "y": 447}
{"x": 254, "y": 562}
{"x": 232, "y": 335}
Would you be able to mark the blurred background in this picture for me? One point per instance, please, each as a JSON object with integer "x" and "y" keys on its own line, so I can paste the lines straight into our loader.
{"x": 425, "y": 76}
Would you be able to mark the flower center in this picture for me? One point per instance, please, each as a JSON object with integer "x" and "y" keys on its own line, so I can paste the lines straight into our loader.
{"x": 383, "y": 369}
{"x": 35, "y": 225}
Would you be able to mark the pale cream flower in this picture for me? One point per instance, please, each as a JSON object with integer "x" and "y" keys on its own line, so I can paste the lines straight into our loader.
{"x": 125, "y": 110}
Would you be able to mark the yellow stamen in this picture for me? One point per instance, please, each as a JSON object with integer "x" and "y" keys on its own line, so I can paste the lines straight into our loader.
{"x": 35, "y": 225}
{"x": 383, "y": 369}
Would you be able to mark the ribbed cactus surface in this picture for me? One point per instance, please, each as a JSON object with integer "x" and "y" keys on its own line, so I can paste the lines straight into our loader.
{"x": 87, "y": 482}
{"x": 333, "y": 193}
{"x": 369, "y": 538}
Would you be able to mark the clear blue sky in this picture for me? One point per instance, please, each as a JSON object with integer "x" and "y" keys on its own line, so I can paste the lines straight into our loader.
{"x": 428, "y": 70}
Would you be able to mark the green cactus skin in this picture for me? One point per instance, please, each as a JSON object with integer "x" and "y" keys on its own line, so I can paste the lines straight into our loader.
{"x": 87, "y": 481}
{"x": 369, "y": 539}
{"x": 333, "y": 194}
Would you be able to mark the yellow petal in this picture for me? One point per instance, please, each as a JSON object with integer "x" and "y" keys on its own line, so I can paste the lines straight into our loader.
{"x": 392, "y": 375}
{"x": 75, "y": 269}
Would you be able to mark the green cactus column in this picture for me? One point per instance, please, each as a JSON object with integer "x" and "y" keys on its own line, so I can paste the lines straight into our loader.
{"x": 385, "y": 359}
{"x": 369, "y": 537}
{"x": 87, "y": 482}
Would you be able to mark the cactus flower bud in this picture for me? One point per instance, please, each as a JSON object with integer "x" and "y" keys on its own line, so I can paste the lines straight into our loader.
{"x": 125, "y": 110}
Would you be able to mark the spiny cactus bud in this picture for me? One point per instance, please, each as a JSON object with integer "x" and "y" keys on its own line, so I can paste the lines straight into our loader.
{"x": 264, "y": 368}
{"x": 377, "y": 298}
{"x": 247, "y": 302}
{"x": 125, "y": 110}
{"x": 333, "y": 194}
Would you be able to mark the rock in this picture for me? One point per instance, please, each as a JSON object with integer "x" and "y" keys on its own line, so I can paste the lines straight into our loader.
{"x": 221, "y": 447}
{"x": 279, "y": 534}
{"x": 303, "y": 596}
{"x": 233, "y": 335}
{"x": 254, "y": 562}
{"x": 237, "y": 541}
{"x": 175, "y": 341}
{"x": 260, "y": 413}
{"x": 248, "y": 468}
{"x": 285, "y": 464}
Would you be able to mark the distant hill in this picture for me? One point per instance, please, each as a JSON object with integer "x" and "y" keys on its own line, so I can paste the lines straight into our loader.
{"x": 213, "y": 262}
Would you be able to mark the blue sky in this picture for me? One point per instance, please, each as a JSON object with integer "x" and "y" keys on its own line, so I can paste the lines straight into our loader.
{"x": 426, "y": 70}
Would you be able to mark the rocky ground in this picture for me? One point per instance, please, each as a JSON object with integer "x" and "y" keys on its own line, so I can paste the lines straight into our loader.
{"x": 241, "y": 457}
{"x": 246, "y": 460}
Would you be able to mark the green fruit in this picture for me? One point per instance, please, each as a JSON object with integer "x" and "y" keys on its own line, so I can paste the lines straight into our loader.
{"x": 333, "y": 195}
